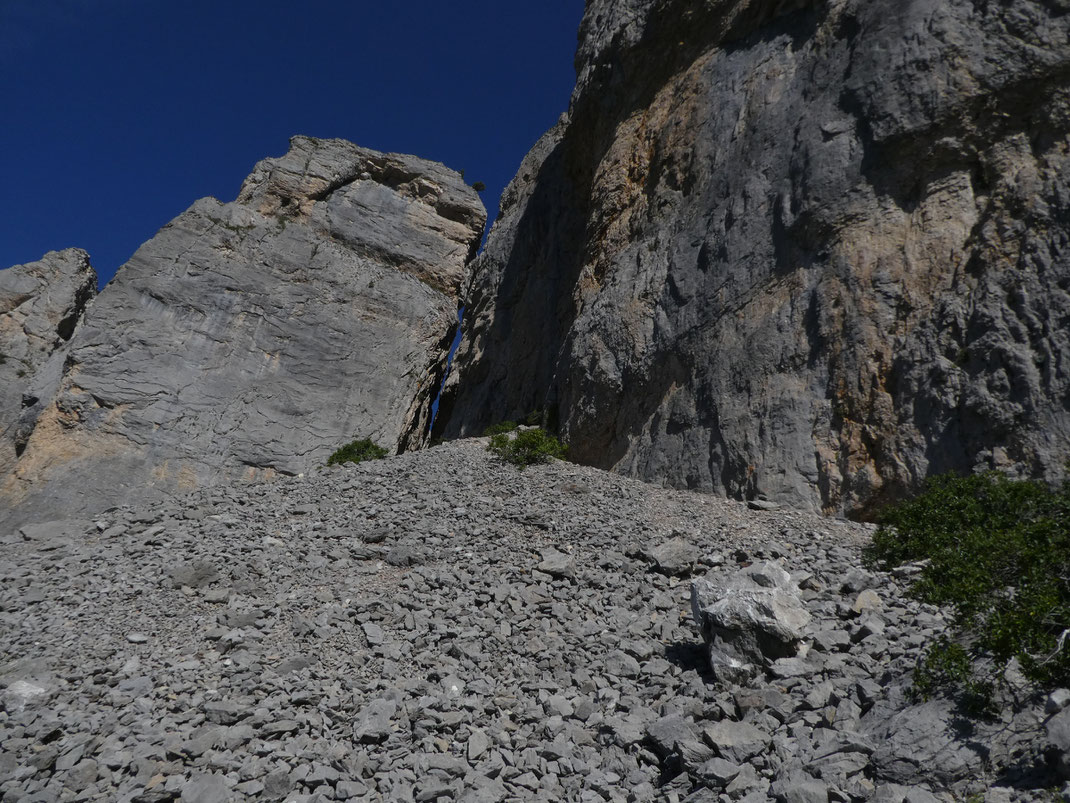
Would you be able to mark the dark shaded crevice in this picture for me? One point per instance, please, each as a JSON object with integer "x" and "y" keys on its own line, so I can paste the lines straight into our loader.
{"x": 422, "y": 411}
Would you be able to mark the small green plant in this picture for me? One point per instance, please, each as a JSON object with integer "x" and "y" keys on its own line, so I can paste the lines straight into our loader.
{"x": 479, "y": 186}
{"x": 500, "y": 428}
{"x": 357, "y": 452}
{"x": 527, "y": 447}
{"x": 998, "y": 553}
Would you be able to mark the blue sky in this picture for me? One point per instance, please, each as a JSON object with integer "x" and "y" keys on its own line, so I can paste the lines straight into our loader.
{"x": 118, "y": 114}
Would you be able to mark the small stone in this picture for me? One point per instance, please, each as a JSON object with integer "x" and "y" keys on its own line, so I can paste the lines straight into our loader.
{"x": 675, "y": 558}
{"x": 350, "y": 789}
{"x": 223, "y": 713}
{"x": 136, "y": 638}
{"x": 404, "y": 555}
{"x": 867, "y": 600}
{"x": 871, "y": 626}
{"x": 477, "y": 745}
{"x": 558, "y": 705}
{"x": 1057, "y": 701}
{"x": 557, "y": 564}
{"x": 373, "y": 633}
{"x": 204, "y": 788}
{"x": 621, "y": 664}
{"x": 373, "y": 722}
{"x": 279, "y": 727}
{"x": 800, "y": 789}
{"x": 197, "y": 574}
{"x": 663, "y": 734}
{"x": 736, "y": 741}
{"x": 22, "y": 693}
{"x": 718, "y": 772}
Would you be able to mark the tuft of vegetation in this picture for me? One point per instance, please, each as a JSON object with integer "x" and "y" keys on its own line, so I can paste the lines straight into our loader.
{"x": 479, "y": 186}
{"x": 357, "y": 452}
{"x": 501, "y": 428}
{"x": 997, "y": 551}
{"x": 527, "y": 447}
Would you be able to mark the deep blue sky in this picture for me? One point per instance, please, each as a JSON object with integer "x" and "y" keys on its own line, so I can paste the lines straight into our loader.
{"x": 115, "y": 115}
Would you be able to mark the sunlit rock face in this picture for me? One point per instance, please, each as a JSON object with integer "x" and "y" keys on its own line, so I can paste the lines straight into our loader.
{"x": 41, "y": 305}
{"x": 813, "y": 251}
{"x": 255, "y": 337}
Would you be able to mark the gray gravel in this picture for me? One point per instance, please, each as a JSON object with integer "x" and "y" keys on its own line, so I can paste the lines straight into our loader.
{"x": 437, "y": 626}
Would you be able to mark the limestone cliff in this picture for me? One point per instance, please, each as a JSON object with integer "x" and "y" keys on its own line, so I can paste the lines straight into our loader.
{"x": 41, "y": 304}
{"x": 257, "y": 336}
{"x": 808, "y": 250}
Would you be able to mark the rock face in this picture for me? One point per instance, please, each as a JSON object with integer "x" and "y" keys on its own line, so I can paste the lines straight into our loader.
{"x": 255, "y": 337}
{"x": 41, "y": 304}
{"x": 811, "y": 251}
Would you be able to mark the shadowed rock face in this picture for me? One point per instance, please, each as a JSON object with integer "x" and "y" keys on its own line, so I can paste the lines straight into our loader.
{"x": 257, "y": 336}
{"x": 41, "y": 304}
{"x": 812, "y": 251}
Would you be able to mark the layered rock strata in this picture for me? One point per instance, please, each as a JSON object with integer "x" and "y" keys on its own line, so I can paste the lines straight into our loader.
{"x": 255, "y": 337}
{"x": 41, "y": 304}
{"x": 814, "y": 251}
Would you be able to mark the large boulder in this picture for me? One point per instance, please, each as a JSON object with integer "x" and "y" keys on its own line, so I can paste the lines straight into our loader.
{"x": 253, "y": 338}
{"x": 748, "y": 619}
{"x": 808, "y": 250}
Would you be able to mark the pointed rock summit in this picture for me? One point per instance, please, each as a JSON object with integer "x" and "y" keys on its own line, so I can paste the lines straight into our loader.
{"x": 255, "y": 337}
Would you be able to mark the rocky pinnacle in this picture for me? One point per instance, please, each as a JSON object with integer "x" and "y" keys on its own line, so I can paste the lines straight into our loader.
{"x": 253, "y": 338}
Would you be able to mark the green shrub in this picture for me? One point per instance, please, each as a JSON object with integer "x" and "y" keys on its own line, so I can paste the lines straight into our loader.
{"x": 500, "y": 429}
{"x": 479, "y": 186}
{"x": 527, "y": 447}
{"x": 999, "y": 552}
{"x": 356, "y": 452}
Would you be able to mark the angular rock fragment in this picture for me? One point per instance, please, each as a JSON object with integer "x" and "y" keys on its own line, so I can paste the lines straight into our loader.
{"x": 557, "y": 564}
{"x": 373, "y": 722}
{"x": 748, "y": 619}
{"x": 676, "y": 557}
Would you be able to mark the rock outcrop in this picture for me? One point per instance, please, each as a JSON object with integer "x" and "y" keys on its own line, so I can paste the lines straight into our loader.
{"x": 255, "y": 337}
{"x": 812, "y": 251}
{"x": 41, "y": 304}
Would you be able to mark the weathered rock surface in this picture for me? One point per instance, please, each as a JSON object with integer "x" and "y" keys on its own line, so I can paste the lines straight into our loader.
{"x": 748, "y": 620}
{"x": 812, "y": 251}
{"x": 255, "y": 337}
{"x": 253, "y": 643}
{"x": 41, "y": 304}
